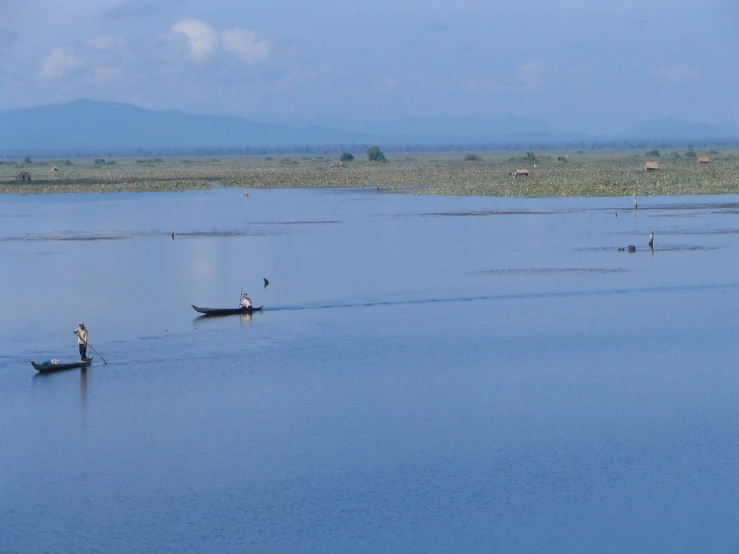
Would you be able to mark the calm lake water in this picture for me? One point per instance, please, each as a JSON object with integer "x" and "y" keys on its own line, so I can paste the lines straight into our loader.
{"x": 452, "y": 375}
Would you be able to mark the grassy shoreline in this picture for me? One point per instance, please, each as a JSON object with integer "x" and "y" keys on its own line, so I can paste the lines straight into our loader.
{"x": 616, "y": 173}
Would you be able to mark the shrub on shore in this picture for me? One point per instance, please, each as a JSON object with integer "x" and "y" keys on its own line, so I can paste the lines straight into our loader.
{"x": 374, "y": 154}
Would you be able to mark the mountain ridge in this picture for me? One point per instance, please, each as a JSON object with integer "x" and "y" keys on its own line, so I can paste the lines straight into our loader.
{"x": 89, "y": 125}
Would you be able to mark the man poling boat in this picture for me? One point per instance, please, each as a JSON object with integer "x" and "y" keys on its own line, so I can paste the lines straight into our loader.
{"x": 81, "y": 333}
{"x": 245, "y": 307}
{"x": 83, "y": 343}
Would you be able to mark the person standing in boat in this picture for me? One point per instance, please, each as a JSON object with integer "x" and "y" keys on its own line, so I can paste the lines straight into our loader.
{"x": 245, "y": 301}
{"x": 81, "y": 333}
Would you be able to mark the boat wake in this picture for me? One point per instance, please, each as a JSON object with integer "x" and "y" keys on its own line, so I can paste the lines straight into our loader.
{"x": 677, "y": 289}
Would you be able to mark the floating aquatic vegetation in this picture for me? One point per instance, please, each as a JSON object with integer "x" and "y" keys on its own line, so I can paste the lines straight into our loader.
{"x": 617, "y": 174}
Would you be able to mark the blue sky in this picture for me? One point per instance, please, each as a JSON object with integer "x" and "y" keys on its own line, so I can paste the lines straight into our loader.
{"x": 582, "y": 65}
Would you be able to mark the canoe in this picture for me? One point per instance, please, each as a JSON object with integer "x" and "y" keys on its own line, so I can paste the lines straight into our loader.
{"x": 226, "y": 311}
{"x": 48, "y": 368}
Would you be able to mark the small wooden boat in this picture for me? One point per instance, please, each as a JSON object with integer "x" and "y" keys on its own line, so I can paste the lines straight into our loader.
{"x": 226, "y": 311}
{"x": 48, "y": 368}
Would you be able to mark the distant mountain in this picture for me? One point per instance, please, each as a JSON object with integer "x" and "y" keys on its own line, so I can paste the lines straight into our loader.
{"x": 90, "y": 126}
{"x": 87, "y": 124}
{"x": 678, "y": 129}
{"x": 87, "y": 127}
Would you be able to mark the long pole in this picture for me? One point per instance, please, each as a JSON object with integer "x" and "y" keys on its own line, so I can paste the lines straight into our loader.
{"x": 96, "y": 352}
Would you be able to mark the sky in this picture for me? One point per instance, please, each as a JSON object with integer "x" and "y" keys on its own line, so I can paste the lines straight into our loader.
{"x": 580, "y": 65}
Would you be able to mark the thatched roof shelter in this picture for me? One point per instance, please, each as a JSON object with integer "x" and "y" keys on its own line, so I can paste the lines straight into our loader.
{"x": 704, "y": 160}
{"x": 23, "y": 176}
{"x": 521, "y": 173}
{"x": 651, "y": 166}
{"x": 563, "y": 158}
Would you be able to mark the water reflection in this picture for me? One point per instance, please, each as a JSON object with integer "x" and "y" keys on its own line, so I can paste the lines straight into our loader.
{"x": 83, "y": 393}
{"x": 205, "y": 322}
{"x": 40, "y": 376}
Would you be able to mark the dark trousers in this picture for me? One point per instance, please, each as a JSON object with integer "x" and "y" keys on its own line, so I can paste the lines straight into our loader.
{"x": 83, "y": 351}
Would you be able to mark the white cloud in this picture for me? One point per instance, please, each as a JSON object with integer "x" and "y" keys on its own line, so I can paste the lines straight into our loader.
{"x": 676, "y": 74}
{"x": 100, "y": 60}
{"x": 60, "y": 63}
{"x": 202, "y": 39}
{"x": 245, "y": 45}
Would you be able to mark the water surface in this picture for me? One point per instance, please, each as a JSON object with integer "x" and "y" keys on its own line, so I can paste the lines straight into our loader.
{"x": 429, "y": 374}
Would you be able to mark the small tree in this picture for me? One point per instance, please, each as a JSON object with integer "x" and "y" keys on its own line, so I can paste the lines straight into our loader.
{"x": 346, "y": 157}
{"x": 28, "y": 160}
{"x": 374, "y": 154}
{"x": 653, "y": 154}
{"x": 472, "y": 157}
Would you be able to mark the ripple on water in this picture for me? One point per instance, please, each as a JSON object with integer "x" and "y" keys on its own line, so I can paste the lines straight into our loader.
{"x": 81, "y": 237}
{"x": 552, "y": 270}
{"x": 329, "y": 222}
{"x": 660, "y": 248}
{"x": 473, "y": 213}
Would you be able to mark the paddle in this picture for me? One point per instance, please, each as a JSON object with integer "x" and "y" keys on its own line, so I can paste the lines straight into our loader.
{"x": 96, "y": 352}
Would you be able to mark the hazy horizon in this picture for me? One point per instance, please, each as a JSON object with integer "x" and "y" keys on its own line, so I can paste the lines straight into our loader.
{"x": 580, "y": 66}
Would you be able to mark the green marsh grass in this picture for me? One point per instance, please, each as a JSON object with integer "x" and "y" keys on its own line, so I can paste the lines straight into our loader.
{"x": 614, "y": 173}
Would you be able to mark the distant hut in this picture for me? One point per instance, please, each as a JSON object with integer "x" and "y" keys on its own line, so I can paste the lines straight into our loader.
{"x": 338, "y": 164}
{"x": 704, "y": 160}
{"x": 53, "y": 169}
{"x": 651, "y": 166}
{"x": 24, "y": 177}
{"x": 521, "y": 173}
{"x": 564, "y": 158}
